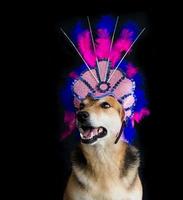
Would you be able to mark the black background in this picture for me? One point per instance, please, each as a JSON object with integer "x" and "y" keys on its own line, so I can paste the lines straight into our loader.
{"x": 48, "y": 58}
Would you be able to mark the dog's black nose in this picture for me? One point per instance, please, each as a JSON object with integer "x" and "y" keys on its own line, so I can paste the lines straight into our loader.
{"x": 82, "y": 116}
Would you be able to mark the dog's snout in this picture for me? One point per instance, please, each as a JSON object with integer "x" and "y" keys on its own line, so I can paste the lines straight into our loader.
{"x": 82, "y": 116}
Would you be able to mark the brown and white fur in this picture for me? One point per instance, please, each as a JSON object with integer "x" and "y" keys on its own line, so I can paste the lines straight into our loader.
{"x": 103, "y": 170}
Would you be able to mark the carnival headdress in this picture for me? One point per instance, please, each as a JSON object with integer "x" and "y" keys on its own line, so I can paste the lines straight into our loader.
{"x": 107, "y": 73}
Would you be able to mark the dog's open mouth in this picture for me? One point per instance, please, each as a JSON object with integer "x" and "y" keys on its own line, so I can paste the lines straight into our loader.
{"x": 91, "y": 134}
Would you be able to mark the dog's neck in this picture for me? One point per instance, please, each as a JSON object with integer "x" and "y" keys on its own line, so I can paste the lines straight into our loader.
{"x": 104, "y": 155}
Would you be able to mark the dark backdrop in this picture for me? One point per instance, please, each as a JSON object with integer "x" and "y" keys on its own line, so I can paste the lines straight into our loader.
{"x": 53, "y": 58}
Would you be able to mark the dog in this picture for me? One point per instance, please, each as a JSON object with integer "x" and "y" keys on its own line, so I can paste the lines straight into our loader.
{"x": 103, "y": 169}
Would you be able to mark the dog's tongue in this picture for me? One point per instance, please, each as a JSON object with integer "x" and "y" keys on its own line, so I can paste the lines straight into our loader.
{"x": 90, "y": 133}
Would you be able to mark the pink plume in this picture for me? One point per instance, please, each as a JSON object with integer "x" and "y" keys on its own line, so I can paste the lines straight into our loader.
{"x": 69, "y": 120}
{"x": 73, "y": 75}
{"x": 131, "y": 71}
{"x": 122, "y": 44}
{"x": 103, "y": 44}
{"x": 138, "y": 116}
{"x": 84, "y": 43}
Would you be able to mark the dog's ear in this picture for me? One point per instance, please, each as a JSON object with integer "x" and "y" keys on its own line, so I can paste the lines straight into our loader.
{"x": 122, "y": 113}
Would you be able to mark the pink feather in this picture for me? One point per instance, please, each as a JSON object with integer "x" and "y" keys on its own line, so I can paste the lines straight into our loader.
{"x": 103, "y": 44}
{"x": 121, "y": 45}
{"x": 69, "y": 120}
{"x": 84, "y": 43}
{"x": 73, "y": 75}
{"x": 138, "y": 116}
{"x": 131, "y": 71}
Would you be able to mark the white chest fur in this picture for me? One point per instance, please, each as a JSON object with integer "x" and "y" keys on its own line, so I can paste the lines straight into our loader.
{"x": 99, "y": 174}
{"x": 103, "y": 181}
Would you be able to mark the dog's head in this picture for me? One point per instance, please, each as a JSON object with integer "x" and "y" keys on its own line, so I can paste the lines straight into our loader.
{"x": 99, "y": 119}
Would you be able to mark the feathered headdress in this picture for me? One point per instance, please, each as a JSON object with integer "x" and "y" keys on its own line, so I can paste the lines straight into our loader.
{"x": 106, "y": 72}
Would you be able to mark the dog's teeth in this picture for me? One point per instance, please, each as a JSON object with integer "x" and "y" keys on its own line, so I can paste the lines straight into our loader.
{"x": 81, "y": 135}
{"x": 81, "y": 130}
{"x": 100, "y": 130}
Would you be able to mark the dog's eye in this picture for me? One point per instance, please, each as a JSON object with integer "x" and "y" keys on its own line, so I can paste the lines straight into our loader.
{"x": 105, "y": 105}
{"x": 81, "y": 106}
